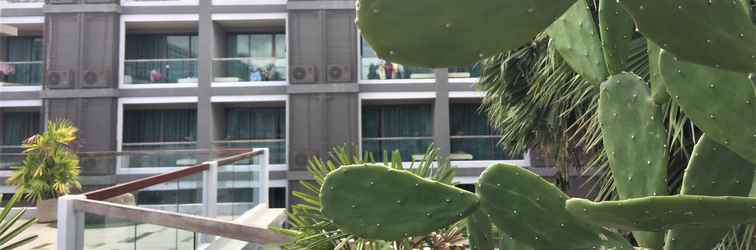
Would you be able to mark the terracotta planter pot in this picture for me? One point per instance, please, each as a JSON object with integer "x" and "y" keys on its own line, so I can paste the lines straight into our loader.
{"x": 47, "y": 210}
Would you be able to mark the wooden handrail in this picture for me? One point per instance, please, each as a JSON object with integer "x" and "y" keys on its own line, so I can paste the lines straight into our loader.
{"x": 189, "y": 223}
{"x": 136, "y": 185}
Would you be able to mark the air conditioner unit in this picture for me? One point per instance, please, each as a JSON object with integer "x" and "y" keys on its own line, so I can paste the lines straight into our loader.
{"x": 94, "y": 78}
{"x": 303, "y": 74}
{"x": 59, "y": 79}
{"x": 339, "y": 73}
{"x": 90, "y": 78}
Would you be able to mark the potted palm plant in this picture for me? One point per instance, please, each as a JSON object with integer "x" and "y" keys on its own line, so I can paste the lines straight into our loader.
{"x": 50, "y": 169}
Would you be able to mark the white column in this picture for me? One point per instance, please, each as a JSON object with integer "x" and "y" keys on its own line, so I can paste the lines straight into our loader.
{"x": 264, "y": 161}
{"x": 210, "y": 190}
{"x": 70, "y": 223}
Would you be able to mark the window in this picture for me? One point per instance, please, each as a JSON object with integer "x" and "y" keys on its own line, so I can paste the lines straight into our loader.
{"x": 253, "y": 58}
{"x": 155, "y": 130}
{"x": 262, "y": 127}
{"x": 404, "y": 127}
{"x": 16, "y": 127}
{"x": 374, "y": 68}
{"x": 23, "y": 63}
{"x": 471, "y": 136}
{"x": 161, "y": 59}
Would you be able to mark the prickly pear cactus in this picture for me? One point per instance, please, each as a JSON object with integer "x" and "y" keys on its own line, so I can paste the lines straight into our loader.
{"x": 635, "y": 140}
{"x": 531, "y": 210}
{"x": 730, "y": 117}
{"x": 659, "y": 213}
{"x": 480, "y": 230}
{"x": 713, "y": 170}
{"x": 717, "y": 33}
{"x": 633, "y": 136}
{"x": 441, "y": 33}
{"x": 617, "y": 29}
{"x": 658, "y": 88}
{"x": 377, "y": 202}
{"x": 575, "y": 36}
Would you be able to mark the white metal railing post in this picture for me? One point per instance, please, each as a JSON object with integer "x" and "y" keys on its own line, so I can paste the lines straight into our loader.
{"x": 264, "y": 161}
{"x": 70, "y": 224}
{"x": 209, "y": 196}
{"x": 210, "y": 190}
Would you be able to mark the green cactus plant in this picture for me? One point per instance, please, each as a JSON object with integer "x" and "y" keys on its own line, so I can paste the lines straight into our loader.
{"x": 713, "y": 32}
{"x": 617, "y": 29}
{"x": 658, "y": 88}
{"x": 377, "y": 202}
{"x": 713, "y": 89}
{"x": 659, "y": 213}
{"x": 635, "y": 141}
{"x": 457, "y": 30}
{"x": 531, "y": 210}
{"x": 716, "y": 171}
{"x": 576, "y": 38}
{"x": 731, "y": 119}
{"x": 480, "y": 230}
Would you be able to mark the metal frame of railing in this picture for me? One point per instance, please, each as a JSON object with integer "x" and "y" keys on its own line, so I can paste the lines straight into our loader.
{"x": 72, "y": 208}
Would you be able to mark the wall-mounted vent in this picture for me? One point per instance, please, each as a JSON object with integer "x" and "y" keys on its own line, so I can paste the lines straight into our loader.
{"x": 303, "y": 74}
{"x": 339, "y": 73}
{"x": 90, "y": 78}
{"x": 59, "y": 79}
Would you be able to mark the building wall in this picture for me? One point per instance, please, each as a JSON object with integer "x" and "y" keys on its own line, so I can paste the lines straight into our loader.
{"x": 84, "y": 43}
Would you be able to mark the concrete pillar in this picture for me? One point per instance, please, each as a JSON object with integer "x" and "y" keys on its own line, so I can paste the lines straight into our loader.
{"x": 441, "y": 137}
{"x": 205, "y": 121}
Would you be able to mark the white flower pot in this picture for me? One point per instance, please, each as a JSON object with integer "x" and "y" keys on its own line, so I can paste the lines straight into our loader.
{"x": 47, "y": 210}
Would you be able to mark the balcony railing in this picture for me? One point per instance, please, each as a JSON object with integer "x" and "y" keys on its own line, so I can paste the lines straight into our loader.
{"x": 250, "y": 70}
{"x": 465, "y": 72}
{"x": 22, "y": 3}
{"x": 158, "y": 2}
{"x": 277, "y": 147}
{"x": 160, "y": 71}
{"x": 13, "y": 74}
{"x": 479, "y": 148}
{"x": 10, "y": 157}
{"x": 193, "y": 213}
{"x": 374, "y": 68}
{"x": 409, "y": 147}
{"x": 160, "y": 155}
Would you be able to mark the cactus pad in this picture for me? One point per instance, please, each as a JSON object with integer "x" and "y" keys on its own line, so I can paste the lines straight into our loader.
{"x": 377, "y": 202}
{"x": 711, "y": 32}
{"x": 575, "y": 36}
{"x": 441, "y": 33}
{"x": 659, "y": 213}
{"x": 720, "y": 102}
{"x": 658, "y": 88}
{"x": 713, "y": 170}
{"x": 617, "y": 29}
{"x": 634, "y": 137}
{"x": 531, "y": 210}
{"x": 480, "y": 230}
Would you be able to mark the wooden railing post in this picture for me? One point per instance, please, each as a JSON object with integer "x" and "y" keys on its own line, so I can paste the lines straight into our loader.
{"x": 70, "y": 223}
